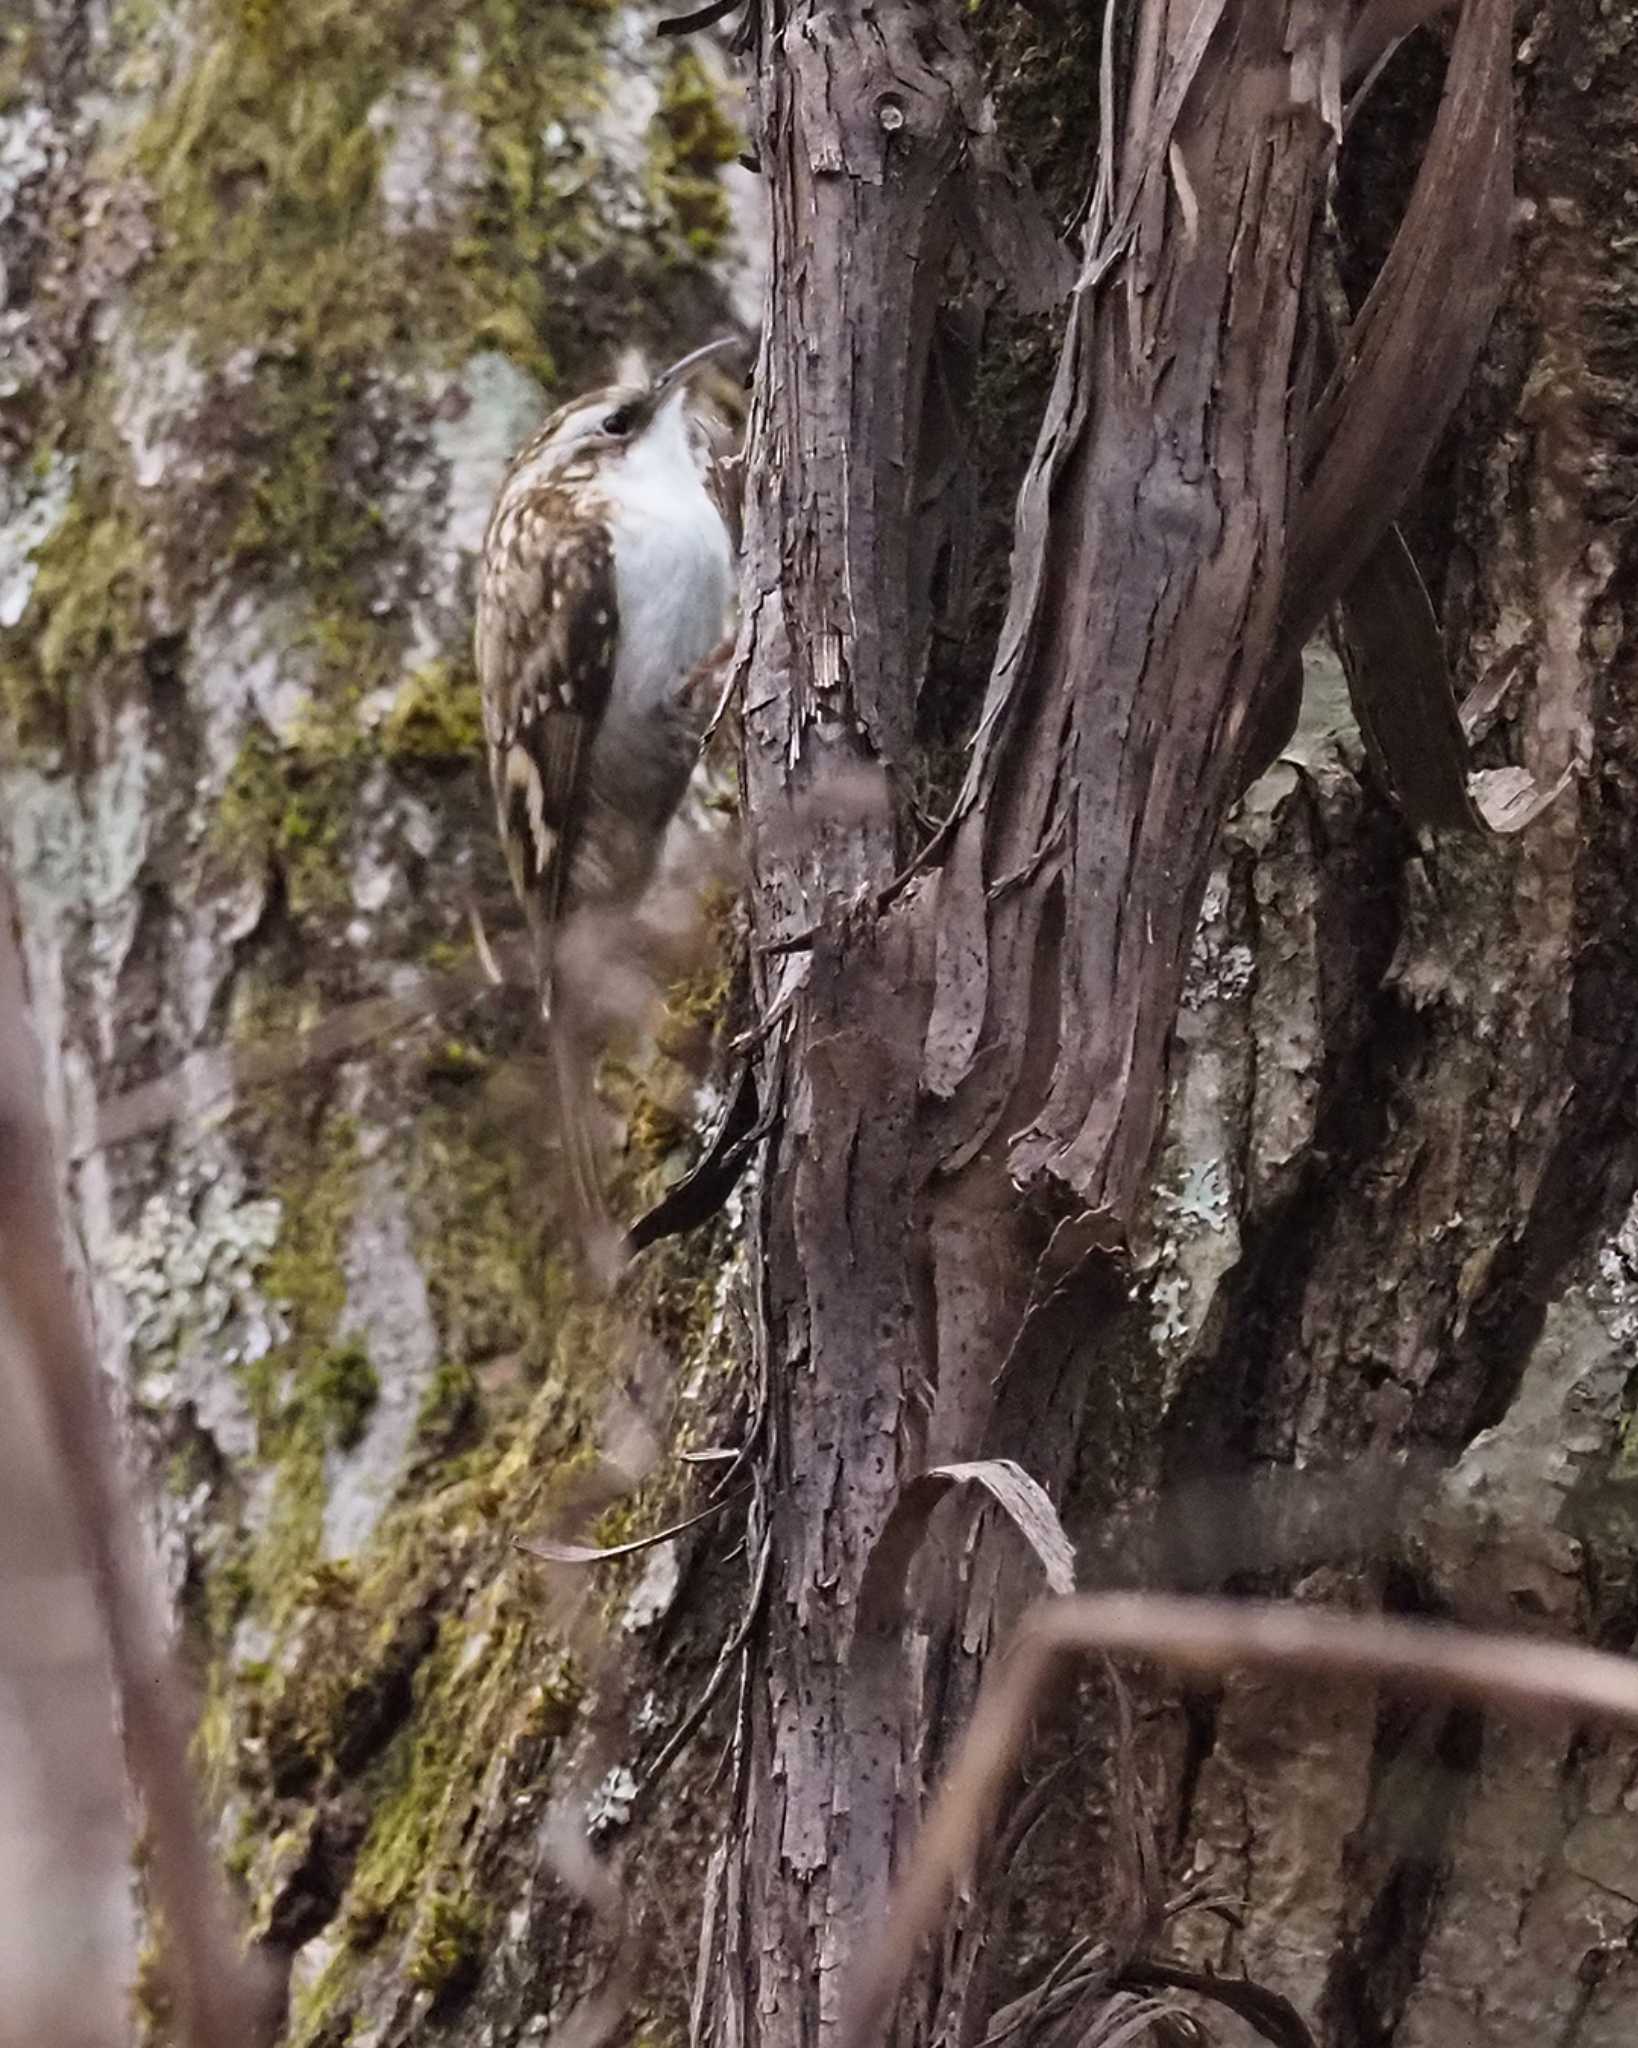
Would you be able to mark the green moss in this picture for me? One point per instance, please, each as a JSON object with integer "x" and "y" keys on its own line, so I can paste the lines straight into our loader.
{"x": 420, "y": 1687}
{"x": 455, "y": 1060}
{"x": 213, "y": 1737}
{"x": 266, "y": 167}
{"x": 344, "y": 1388}
{"x": 448, "y": 1407}
{"x": 298, "y": 509}
{"x": 305, "y": 1390}
{"x": 303, "y": 1270}
{"x": 153, "y": 2002}
{"x": 448, "y": 1946}
{"x": 475, "y": 1714}
{"x": 86, "y": 625}
{"x": 691, "y": 140}
{"x": 18, "y": 50}
{"x": 623, "y": 1522}
{"x": 436, "y": 717}
{"x": 299, "y": 296}
{"x": 484, "y": 1241}
{"x": 228, "y": 1594}
{"x": 655, "y": 1130}
{"x": 292, "y": 804}
{"x": 697, "y": 1003}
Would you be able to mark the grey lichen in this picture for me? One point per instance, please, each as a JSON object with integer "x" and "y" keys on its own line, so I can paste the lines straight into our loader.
{"x": 387, "y": 1317}
{"x": 1221, "y": 967}
{"x": 655, "y": 1590}
{"x": 1201, "y": 1196}
{"x": 431, "y": 166}
{"x": 194, "y": 1267}
{"x": 32, "y": 507}
{"x": 612, "y": 1801}
{"x": 1195, "y": 1239}
{"x": 1615, "y": 1291}
{"x": 156, "y": 394}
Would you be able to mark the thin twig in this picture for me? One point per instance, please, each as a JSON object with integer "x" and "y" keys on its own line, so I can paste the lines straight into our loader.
{"x": 547, "y": 1550}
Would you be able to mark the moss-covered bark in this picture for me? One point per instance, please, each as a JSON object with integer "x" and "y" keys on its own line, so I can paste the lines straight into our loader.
{"x": 286, "y": 285}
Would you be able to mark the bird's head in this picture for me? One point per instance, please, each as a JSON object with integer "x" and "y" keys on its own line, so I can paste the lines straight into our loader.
{"x": 609, "y": 426}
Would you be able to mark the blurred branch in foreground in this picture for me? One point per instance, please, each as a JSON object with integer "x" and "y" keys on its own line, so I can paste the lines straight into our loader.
{"x": 78, "y": 1628}
{"x": 1521, "y": 1675}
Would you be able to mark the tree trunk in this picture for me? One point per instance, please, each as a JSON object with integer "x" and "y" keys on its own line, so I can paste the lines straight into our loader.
{"x": 1375, "y": 1201}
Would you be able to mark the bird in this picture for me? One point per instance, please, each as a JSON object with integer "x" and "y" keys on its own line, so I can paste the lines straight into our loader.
{"x": 604, "y": 594}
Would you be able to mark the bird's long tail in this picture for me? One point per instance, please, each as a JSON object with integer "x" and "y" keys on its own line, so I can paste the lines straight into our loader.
{"x": 586, "y": 1206}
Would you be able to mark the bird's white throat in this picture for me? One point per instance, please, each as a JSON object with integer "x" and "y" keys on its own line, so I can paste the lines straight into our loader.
{"x": 672, "y": 565}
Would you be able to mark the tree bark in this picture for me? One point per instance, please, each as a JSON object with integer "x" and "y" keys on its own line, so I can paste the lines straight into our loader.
{"x": 934, "y": 1229}
{"x": 1359, "y": 1328}
{"x": 903, "y": 1274}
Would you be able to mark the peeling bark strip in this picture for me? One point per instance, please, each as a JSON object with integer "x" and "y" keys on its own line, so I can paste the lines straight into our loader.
{"x": 1392, "y": 386}
{"x": 1407, "y": 358}
{"x": 1150, "y": 541}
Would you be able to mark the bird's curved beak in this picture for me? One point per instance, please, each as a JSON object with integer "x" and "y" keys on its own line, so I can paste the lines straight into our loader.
{"x": 672, "y": 380}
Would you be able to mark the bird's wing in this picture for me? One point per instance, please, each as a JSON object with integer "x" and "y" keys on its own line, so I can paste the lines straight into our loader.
{"x": 545, "y": 643}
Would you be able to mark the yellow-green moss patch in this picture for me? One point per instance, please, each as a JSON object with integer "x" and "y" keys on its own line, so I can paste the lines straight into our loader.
{"x": 436, "y": 717}
{"x": 692, "y": 139}
{"x": 86, "y": 625}
{"x": 344, "y": 1388}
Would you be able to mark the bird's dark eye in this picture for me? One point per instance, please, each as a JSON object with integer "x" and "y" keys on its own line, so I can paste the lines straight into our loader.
{"x": 621, "y": 420}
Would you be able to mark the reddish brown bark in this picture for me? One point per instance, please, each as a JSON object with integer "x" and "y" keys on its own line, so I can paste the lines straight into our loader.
{"x": 915, "y": 1307}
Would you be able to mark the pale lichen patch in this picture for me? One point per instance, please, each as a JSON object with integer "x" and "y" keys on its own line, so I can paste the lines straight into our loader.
{"x": 1196, "y": 1238}
{"x": 1615, "y": 1290}
{"x": 156, "y": 391}
{"x": 388, "y": 1313}
{"x": 248, "y": 658}
{"x": 612, "y": 1801}
{"x": 432, "y": 167}
{"x": 192, "y": 1265}
{"x": 32, "y": 507}
{"x": 1221, "y": 966}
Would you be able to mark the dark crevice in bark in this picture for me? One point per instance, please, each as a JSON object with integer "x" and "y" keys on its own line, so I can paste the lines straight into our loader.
{"x": 1372, "y": 1044}
{"x": 308, "y": 1898}
{"x": 1222, "y": 1412}
{"x": 1588, "y": 1183}
{"x": 163, "y": 659}
{"x": 1200, "y": 1715}
{"x": 1375, "y": 175}
{"x": 1422, "y": 1766}
{"x": 1592, "y": 1171}
{"x": 143, "y": 1051}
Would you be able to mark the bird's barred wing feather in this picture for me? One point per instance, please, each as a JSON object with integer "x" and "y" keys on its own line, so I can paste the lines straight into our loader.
{"x": 545, "y": 646}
